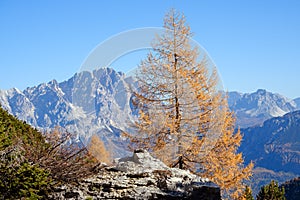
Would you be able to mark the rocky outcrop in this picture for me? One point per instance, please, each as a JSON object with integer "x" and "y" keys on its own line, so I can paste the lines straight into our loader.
{"x": 140, "y": 177}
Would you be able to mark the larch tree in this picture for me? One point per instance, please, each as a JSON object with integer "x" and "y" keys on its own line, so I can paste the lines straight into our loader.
{"x": 183, "y": 119}
{"x": 97, "y": 148}
{"x": 223, "y": 164}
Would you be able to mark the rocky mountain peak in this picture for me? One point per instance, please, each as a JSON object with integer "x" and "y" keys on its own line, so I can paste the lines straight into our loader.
{"x": 254, "y": 108}
{"x": 90, "y": 102}
{"x": 261, "y": 92}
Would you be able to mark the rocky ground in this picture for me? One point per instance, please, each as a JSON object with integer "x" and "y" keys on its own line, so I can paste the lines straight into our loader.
{"x": 140, "y": 177}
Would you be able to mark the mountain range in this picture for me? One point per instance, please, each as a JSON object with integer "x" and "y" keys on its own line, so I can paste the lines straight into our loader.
{"x": 254, "y": 108}
{"x": 274, "y": 147}
{"x": 276, "y": 143}
{"x": 88, "y": 103}
{"x": 102, "y": 98}
{"x": 98, "y": 102}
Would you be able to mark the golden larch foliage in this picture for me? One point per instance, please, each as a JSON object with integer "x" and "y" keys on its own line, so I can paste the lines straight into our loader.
{"x": 183, "y": 119}
{"x": 223, "y": 164}
{"x": 97, "y": 148}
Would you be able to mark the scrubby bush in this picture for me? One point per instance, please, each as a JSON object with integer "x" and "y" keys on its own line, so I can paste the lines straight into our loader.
{"x": 30, "y": 162}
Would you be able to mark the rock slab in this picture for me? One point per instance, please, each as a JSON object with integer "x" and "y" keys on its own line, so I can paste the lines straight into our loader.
{"x": 140, "y": 177}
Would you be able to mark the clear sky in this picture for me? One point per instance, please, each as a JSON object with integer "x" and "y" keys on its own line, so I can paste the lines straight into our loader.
{"x": 254, "y": 43}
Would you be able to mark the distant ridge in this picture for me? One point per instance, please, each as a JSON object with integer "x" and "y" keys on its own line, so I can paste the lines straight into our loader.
{"x": 274, "y": 145}
{"x": 254, "y": 108}
{"x": 292, "y": 189}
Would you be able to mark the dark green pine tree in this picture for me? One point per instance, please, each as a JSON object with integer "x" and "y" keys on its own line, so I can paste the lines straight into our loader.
{"x": 271, "y": 192}
{"x": 248, "y": 194}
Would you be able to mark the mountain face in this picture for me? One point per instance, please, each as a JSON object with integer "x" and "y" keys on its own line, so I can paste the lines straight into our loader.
{"x": 274, "y": 145}
{"x": 88, "y": 103}
{"x": 297, "y": 101}
{"x": 253, "y": 109}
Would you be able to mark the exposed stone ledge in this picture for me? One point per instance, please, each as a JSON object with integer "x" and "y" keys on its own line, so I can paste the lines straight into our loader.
{"x": 140, "y": 177}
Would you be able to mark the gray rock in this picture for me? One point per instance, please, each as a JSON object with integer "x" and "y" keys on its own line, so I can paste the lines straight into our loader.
{"x": 141, "y": 162}
{"x": 140, "y": 177}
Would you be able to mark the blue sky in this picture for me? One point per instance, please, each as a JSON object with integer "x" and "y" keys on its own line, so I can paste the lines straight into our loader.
{"x": 255, "y": 43}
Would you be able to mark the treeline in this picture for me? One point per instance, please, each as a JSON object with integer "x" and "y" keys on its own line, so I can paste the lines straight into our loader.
{"x": 32, "y": 162}
{"x": 289, "y": 190}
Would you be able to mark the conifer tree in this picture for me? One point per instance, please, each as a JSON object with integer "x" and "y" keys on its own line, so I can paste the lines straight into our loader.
{"x": 247, "y": 194}
{"x": 223, "y": 164}
{"x": 271, "y": 192}
{"x": 97, "y": 149}
{"x": 183, "y": 119}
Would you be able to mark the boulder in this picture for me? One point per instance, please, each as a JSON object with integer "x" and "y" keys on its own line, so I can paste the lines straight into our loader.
{"x": 140, "y": 176}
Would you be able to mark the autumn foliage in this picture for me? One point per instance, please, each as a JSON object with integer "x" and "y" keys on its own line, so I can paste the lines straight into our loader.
{"x": 183, "y": 118}
{"x": 223, "y": 164}
{"x": 97, "y": 150}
